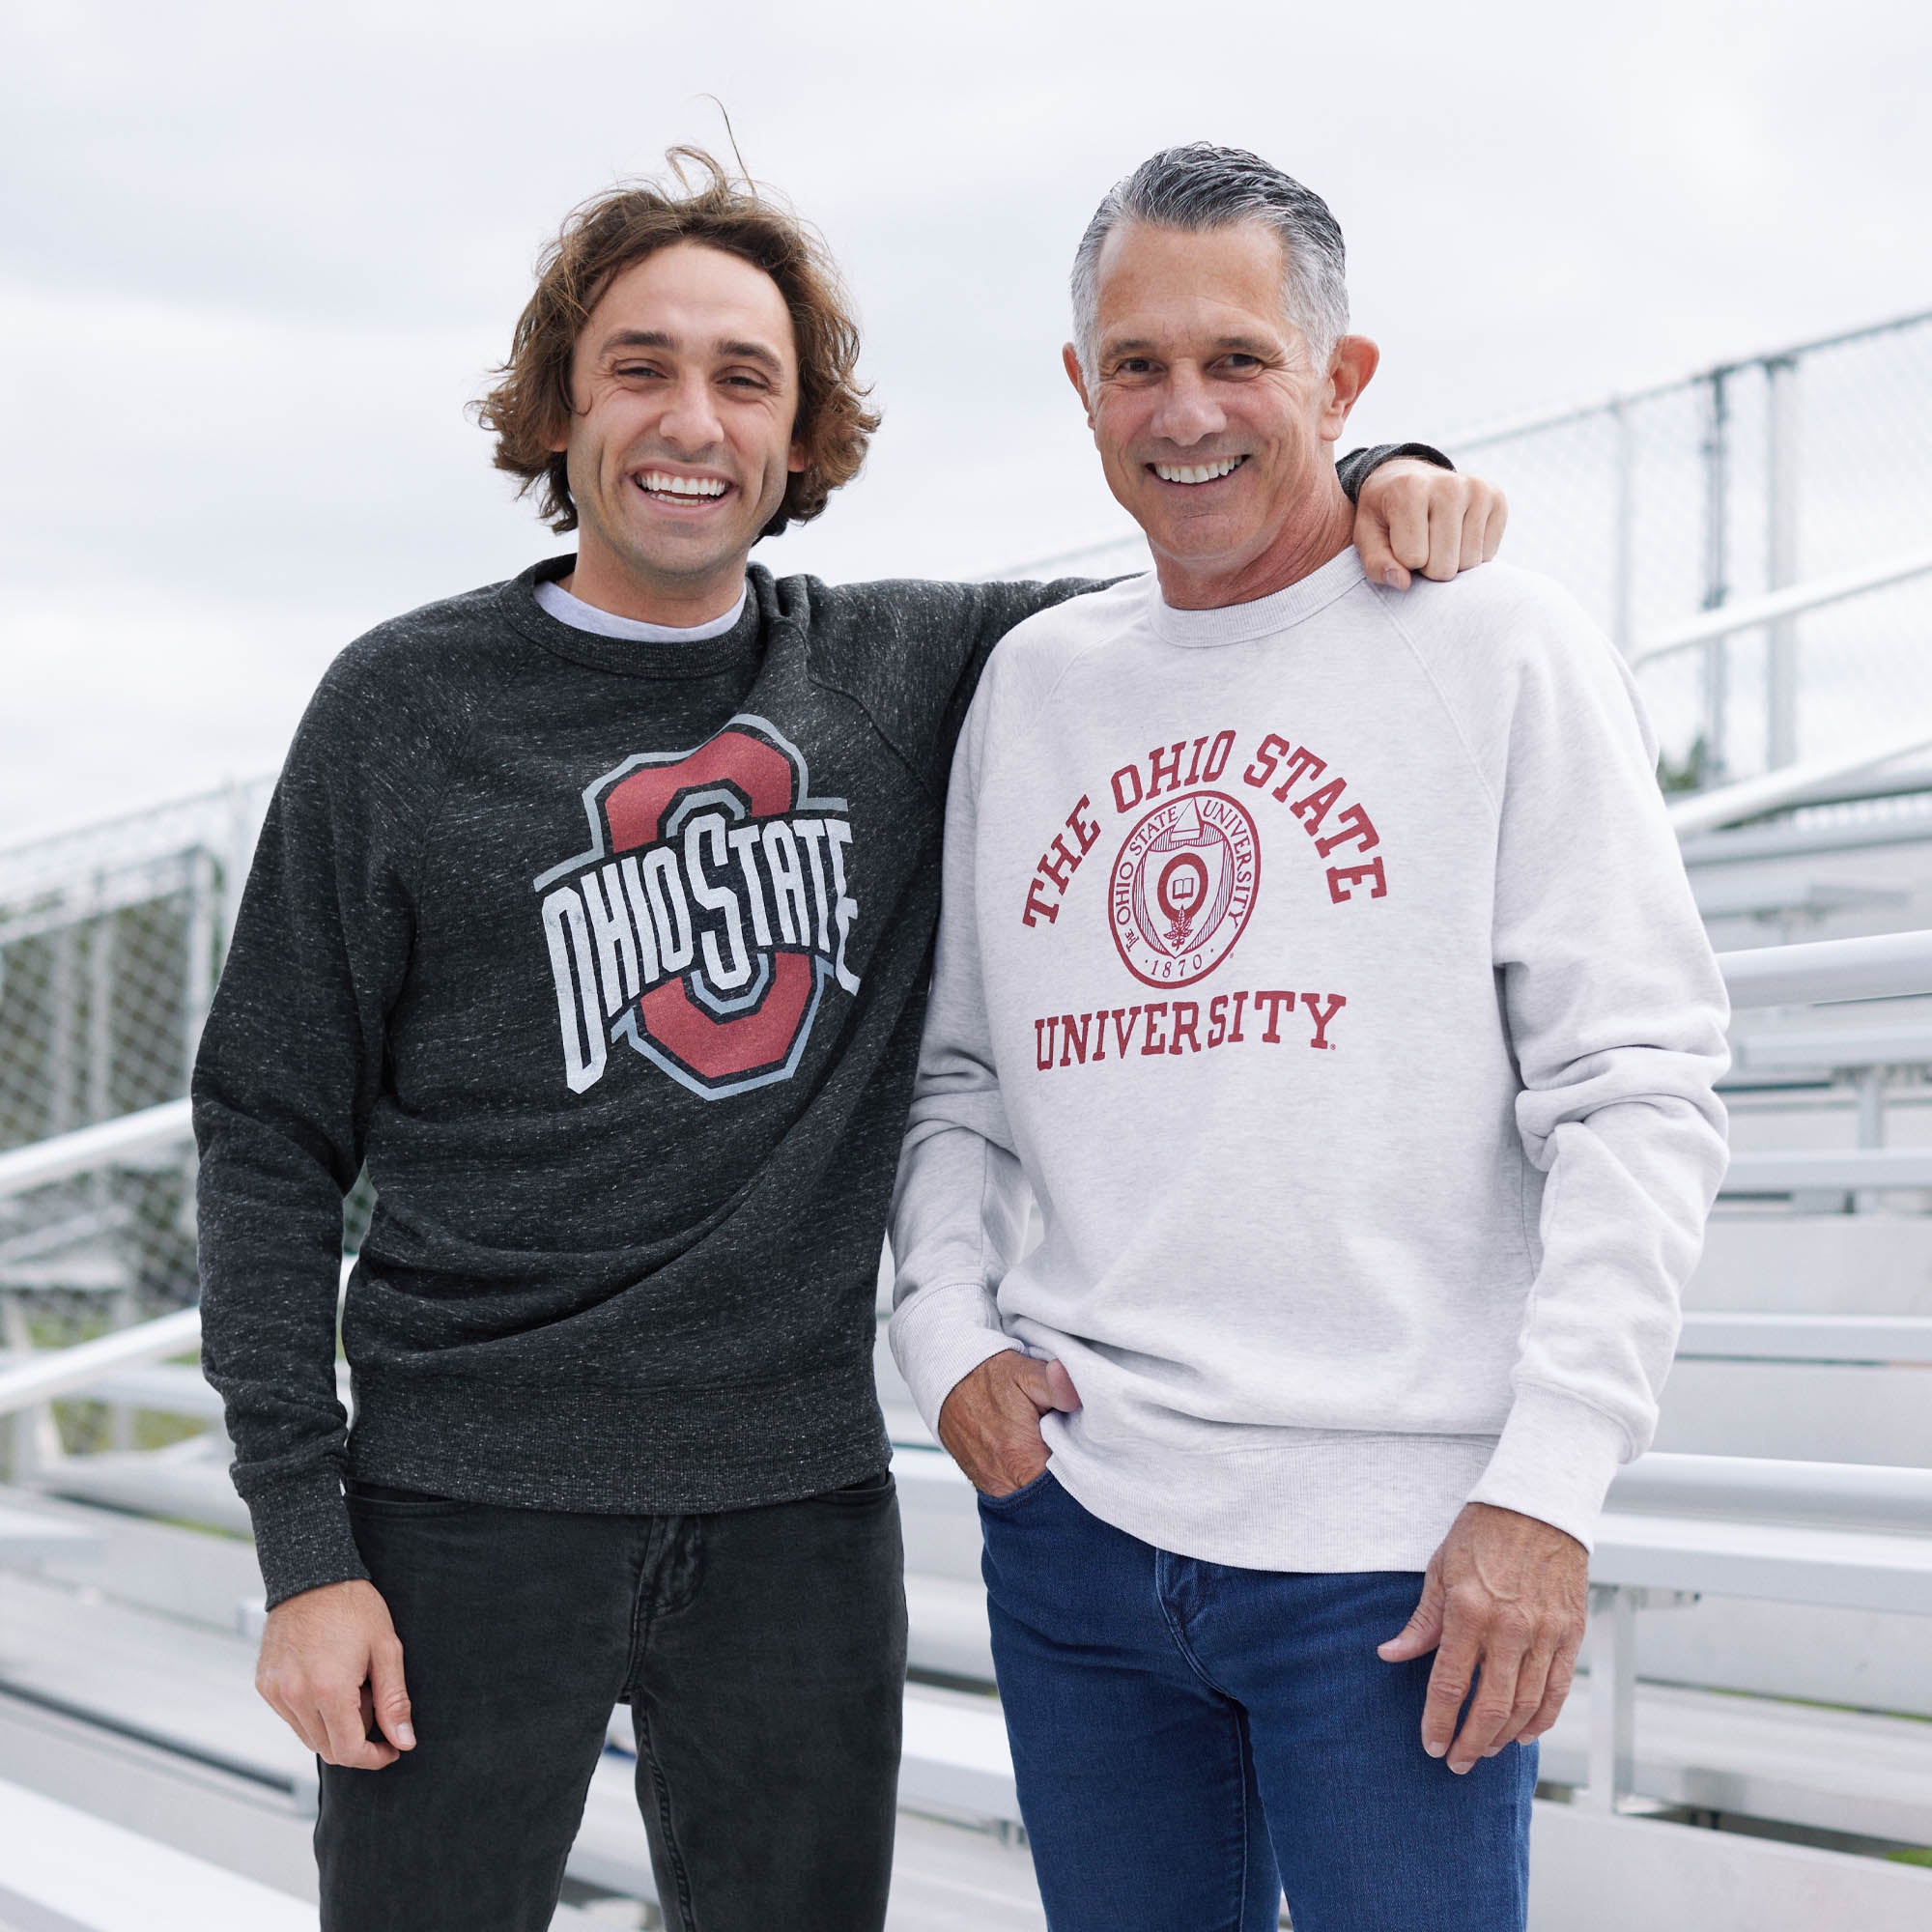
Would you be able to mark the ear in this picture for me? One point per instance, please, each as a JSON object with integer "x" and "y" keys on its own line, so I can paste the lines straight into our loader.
{"x": 1350, "y": 369}
{"x": 1069, "y": 358}
{"x": 797, "y": 459}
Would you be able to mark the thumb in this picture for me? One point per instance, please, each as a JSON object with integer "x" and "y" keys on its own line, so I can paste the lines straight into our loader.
{"x": 389, "y": 1696}
{"x": 1379, "y": 559}
{"x": 1060, "y": 1386}
{"x": 1423, "y": 1632}
{"x": 1046, "y": 1384}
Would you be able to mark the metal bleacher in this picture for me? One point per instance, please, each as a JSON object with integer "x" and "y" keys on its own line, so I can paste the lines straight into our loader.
{"x": 1757, "y": 1653}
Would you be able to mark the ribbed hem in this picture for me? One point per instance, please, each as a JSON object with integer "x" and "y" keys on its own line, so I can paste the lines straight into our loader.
{"x": 1309, "y": 1501}
{"x": 1554, "y": 1461}
{"x": 1355, "y": 469}
{"x": 619, "y": 1452}
{"x": 302, "y": 1535}
{"x": 941, "y": 1336}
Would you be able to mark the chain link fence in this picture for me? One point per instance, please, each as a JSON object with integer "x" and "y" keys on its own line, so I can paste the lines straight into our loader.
{"x": 111, "y": 939}
{"x": 1778, "y": 471}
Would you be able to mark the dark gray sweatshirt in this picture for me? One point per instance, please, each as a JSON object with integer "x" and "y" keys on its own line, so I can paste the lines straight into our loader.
{"x": 610, "y": 960}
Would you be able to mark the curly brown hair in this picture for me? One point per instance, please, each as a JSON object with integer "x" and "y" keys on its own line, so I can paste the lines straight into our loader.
{"x": 606, "y": 235}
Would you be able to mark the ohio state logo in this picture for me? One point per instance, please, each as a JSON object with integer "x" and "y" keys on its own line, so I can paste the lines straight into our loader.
{"x": 707, "y": 917}
{"x": 1181, "y": 891}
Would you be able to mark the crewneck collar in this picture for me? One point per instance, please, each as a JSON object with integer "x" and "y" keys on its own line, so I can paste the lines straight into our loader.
{"x": 1264, "y": 616}
{"x": 737, "y": 648}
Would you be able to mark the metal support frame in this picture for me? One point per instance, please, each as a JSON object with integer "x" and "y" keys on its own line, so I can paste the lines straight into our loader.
{"x": 1869, "y": 1085}
{"x": 1613, "y": 1760}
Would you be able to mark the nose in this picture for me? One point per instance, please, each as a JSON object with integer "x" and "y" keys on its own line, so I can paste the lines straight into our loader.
{"x": 690, "y": 422}
{"x": 1187, "y": 410}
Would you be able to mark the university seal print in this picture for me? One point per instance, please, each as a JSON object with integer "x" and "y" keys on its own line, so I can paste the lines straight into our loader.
{"x": 1182, "y": 887}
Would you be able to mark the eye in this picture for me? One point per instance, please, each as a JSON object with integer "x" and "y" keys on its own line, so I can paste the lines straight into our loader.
{"x": 1239, "y": 362}
{"x": 1133, "y": 365}
{"x": 630, "y": 372}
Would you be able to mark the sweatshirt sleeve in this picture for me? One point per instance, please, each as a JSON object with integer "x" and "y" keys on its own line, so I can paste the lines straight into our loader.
{"x": 1360, "y": 465}
{"x": 960, "y": 1200}
{"x": 289, "y": 1063}
{"x": 1617, "y": 1013}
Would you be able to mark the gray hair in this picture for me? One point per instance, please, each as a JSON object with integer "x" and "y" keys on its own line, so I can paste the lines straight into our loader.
{"x": 1201, "y": 186}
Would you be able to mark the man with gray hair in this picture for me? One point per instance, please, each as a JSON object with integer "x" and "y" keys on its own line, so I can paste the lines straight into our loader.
{"x": 1324, "y": 964}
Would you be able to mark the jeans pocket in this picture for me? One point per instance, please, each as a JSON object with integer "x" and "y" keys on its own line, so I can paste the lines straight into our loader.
{"x": 866, "y": 1490}
{"x": 1026, "y": 1491}
{"x": 388, "y": 1499}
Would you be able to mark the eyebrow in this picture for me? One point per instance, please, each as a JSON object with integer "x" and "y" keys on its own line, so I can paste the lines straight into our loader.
{"x": 658, "y": 338}
{"x": 1251, "y": 345}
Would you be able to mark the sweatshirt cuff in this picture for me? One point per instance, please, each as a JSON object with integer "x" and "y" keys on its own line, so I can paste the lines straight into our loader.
{"x": 303, "y": 1538}
{"x": 941, "y": 1336}
{"x": 1355, "y": 469}
{"x": 1554, "y": 1461}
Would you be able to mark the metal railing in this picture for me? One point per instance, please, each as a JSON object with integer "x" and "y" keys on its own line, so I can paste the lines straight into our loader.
{"x": 1664, "y": 509}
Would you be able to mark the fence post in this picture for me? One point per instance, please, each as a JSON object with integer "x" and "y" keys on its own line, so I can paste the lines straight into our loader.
{"x": 1780, "y": 523}
{"x": 1622, "y": 588}
{"x": 198, "y": 979}
{"x": 1716, "y": 571}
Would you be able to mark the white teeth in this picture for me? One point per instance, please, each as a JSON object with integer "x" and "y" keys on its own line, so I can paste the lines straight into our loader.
{"x": 682, "y": 486}
{"x": 1197, "y": 472}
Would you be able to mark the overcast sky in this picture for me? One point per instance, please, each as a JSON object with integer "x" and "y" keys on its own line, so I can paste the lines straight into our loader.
{"x": 254, "y": 264}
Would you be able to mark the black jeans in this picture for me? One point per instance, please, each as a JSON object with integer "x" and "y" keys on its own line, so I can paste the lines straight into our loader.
{"x": 762, "y": 1653}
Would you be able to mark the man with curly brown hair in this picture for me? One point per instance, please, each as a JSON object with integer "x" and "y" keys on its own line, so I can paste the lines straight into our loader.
{"x": 593, "y": 912}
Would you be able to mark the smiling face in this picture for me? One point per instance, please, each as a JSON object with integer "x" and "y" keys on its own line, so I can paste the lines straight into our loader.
{"x": 1214, "y": 419}
{"x": 685, "y": 390}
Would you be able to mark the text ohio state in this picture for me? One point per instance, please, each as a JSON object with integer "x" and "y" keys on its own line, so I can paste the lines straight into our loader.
{"x": 1278, "y": 767}
{"x": 711, "y": 900}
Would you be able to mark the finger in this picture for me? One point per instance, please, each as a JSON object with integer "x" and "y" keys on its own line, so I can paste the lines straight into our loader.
{"x": 1530, "y": 1682}
{"x": 340, "y": 1718}
{"x": 1445, "y": 536}
{"x": 1032, "y": 1382}
{"x": 1449, "y": 1682}
{"x": 1408, "y": 524}
{"x": 289, "y": 1715}
{"x": 1378, "y": 564}
{"x": 1423, "y": 1632}
{"x": 1555, "y": 1689}
{"x": 1495, "y": 524}
{"x": 1489, "y": 1710}
{"x": 1046, "y": 1389}
{"x": 389, "y": 1696}
{"x": 1475, "y": 520}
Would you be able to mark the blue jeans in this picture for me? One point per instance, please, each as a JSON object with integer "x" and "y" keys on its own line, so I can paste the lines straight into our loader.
{"x": 1188, "y": 1736}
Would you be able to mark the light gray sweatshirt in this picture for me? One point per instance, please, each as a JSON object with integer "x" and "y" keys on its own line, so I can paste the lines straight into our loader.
{"x": 1326, "y": 968}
